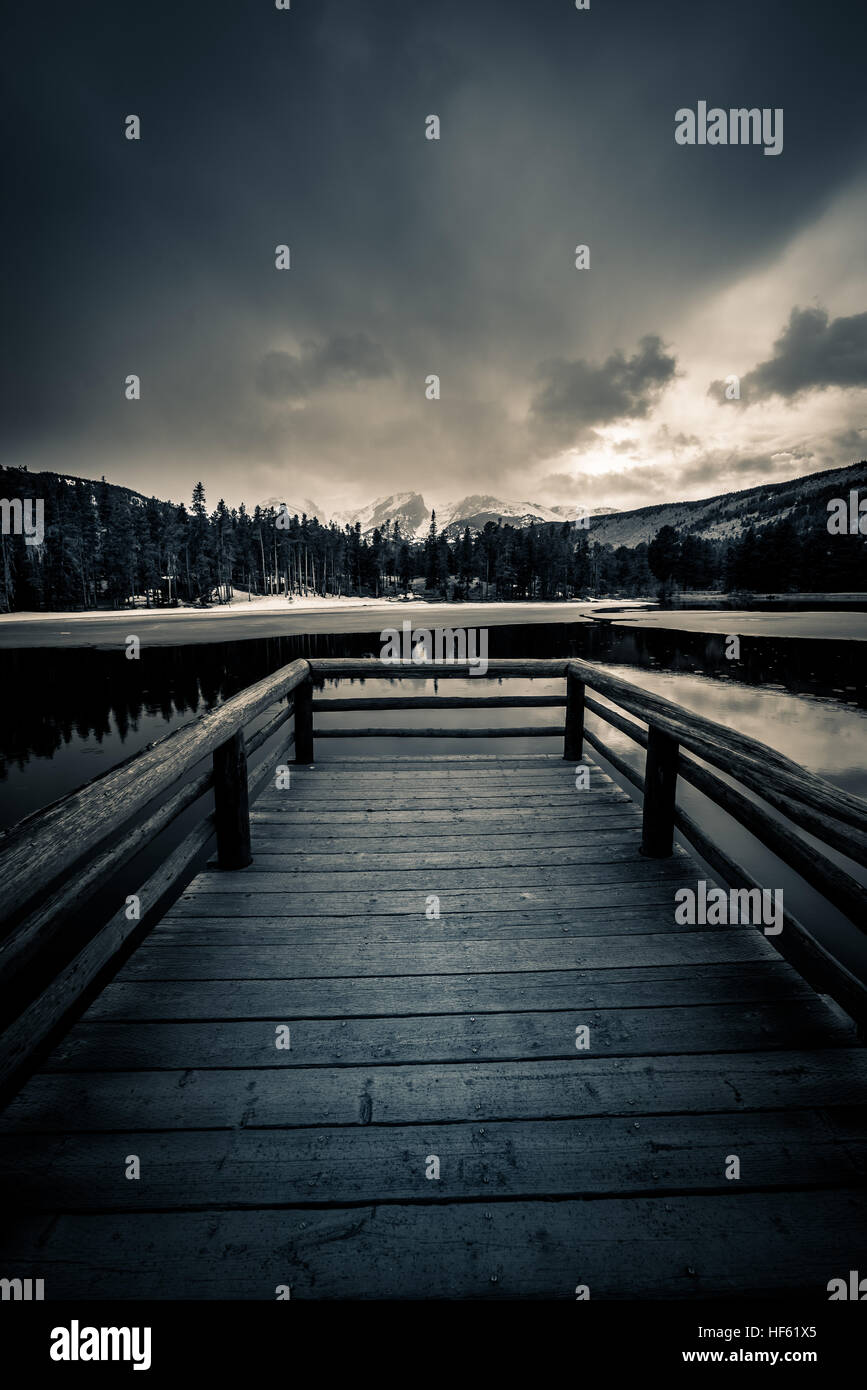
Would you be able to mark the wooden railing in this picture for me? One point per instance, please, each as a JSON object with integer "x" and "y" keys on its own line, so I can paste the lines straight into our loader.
{"x": 56, "y": 860}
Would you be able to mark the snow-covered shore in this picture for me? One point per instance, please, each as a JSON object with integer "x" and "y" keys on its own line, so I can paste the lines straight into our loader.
{"x": 255, "y": 603}
{"x": 274, "y": 616}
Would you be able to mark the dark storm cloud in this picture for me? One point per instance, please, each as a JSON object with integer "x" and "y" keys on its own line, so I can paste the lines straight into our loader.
{"x": 576, "y": 396}
{"x": 666, "y": 439}
{"x": 853, "y": 439}
{"x": 287, "y": 376}
{"x": 558, "y": 483}
{"x": 280, "y": 376}
{"x": 722, "y": 471}
{"x": 813, "y": 353}
{"x": 409, "y": 257}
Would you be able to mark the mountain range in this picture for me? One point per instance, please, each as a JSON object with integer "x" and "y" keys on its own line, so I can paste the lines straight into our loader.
{"x": 724, "y": 516}
{"x": 413, "y": 513}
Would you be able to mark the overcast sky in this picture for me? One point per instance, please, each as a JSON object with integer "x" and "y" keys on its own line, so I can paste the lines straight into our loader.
{"x": 412, "y": 257}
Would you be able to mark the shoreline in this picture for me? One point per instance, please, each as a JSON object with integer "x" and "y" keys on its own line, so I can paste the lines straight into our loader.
{"x": 274, "y": 617}
{"x": 232, "y": 623}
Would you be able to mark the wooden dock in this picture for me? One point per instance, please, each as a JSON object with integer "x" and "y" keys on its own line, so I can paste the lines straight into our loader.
{"x": 431, "y": 937}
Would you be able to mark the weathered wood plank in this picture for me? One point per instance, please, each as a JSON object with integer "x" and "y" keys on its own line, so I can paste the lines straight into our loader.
{"x": 333, "y": 704}
{"x": 471, "y": 994}
{"x": 422, "y": 770}
{"x": 617, "y": 847}
{"x": 542, "y": 763}
{"x": 317, "y": 785}
{"x": 489, "y": 790}
{"x": 361, "y": 824}
{"x": 446, "y": 788}
{"x": 621, "y": 1248}
{"x": 368, "y": 668}
{"x": 434, "y": 798}
{"x": 279, "y": 839}
{"x": 436, "y": 758}
{"x": 197, "y": 902}
{"x": 360, "y": 957}
{"x": 796, "y": 1023}
{"x": 434, "y": 1094}
{"x": 539, "y": 772}
{"x": 499, "y": 883}
{"x": 179, "y": 927}
{"x": 493, "y": 806}
{"x": 391, "y": 731}
{"x": 394, "y": 763}
{"x": 601, "y": 1156}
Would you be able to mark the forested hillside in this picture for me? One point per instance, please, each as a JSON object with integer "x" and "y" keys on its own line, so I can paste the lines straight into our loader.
{"x": 107, "y": 546}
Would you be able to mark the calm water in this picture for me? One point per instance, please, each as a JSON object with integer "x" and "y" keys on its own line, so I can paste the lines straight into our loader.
{"x": 71, "y": 715}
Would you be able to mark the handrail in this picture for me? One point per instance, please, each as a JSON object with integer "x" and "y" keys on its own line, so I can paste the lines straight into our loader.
{"x": 839, "y": 887}
{"x": 43, "y": 1014}
{"x": 37, "y": 851}
{"x": 371, "y": 668}
{"x": 724, "y": 747}
{"x": 795, "y": 943}
{"x": 53, "y": 862}
{"x": 19, "y": 946}
{"x": 442, "y": 702}
{"x": 398, "y": 731}
{"x": 59, "y": 857}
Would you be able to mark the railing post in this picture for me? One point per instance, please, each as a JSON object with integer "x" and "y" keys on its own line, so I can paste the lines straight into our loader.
{"x": 660, "y": 789}
{"x": 304, "y": 722}
{"x": 573, "y": 743}
{"x": 231, "y": 803}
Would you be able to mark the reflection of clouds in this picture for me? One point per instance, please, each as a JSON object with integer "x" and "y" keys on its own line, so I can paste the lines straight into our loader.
{"x": 827, "y": 739}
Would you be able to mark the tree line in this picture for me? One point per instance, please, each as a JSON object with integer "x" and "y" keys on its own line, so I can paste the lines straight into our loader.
{"x": 105, "y": 546}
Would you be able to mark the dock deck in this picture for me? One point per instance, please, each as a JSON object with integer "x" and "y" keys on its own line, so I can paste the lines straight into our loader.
{"x": 421, "y": 1044}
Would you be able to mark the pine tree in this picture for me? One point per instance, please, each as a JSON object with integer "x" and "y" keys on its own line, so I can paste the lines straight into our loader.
{"x": 432, "y": 555}
{"x": 200, "y": 547}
